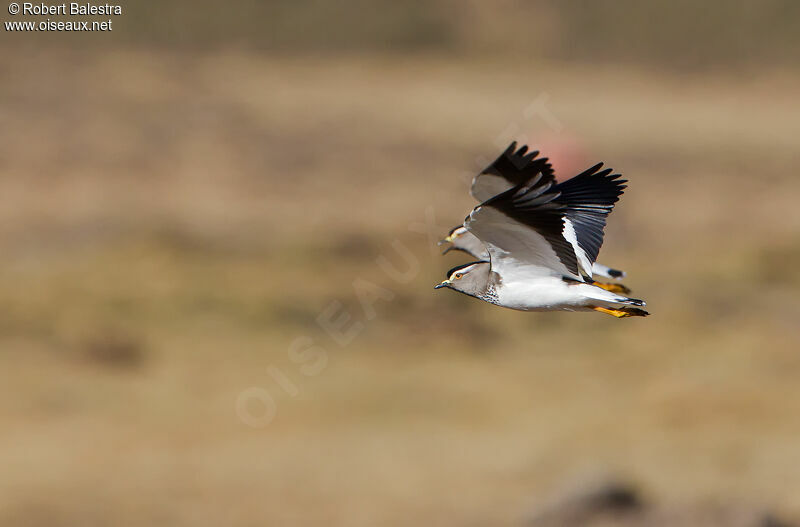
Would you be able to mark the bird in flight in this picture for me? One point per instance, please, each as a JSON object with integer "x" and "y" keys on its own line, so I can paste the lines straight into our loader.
{"x": 537, "y": 240}
{"x": 510, "y": 169}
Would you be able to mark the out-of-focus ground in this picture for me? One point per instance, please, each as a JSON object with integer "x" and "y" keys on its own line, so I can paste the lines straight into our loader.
{"x": 171, "y": 222}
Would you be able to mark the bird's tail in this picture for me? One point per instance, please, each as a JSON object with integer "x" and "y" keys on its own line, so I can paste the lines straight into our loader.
{"x": 612, "y": 303}
{"x": 607, "y": 272}
{"x": 622, "y": 312}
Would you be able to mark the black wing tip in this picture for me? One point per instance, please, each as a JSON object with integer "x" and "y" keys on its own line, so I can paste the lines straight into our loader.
{"x": 594, "y": 171}
{"x": 605, "y": 184}
{"x": 591, "y": 170}
{"x": 519, "y": 162}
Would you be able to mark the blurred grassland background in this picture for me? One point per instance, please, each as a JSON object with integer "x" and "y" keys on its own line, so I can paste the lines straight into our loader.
{"x": 181, "y": 198}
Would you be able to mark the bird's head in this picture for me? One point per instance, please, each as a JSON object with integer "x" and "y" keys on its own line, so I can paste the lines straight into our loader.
{"x": 453, "y": 239}
{"x": 471, "y": 278}
{"x": 461, "y": 239}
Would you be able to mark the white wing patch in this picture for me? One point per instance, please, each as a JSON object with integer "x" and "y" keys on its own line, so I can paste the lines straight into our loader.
{"x": 583, "y": 260}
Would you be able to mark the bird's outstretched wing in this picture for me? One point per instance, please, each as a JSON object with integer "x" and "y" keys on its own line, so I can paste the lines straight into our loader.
{"x": 588, "y": 199}
{"x": 512, "y": 168}
{"x": 541, "y": 228}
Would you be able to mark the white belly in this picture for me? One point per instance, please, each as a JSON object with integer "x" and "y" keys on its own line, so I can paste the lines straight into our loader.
{"x": 552, "y": 293}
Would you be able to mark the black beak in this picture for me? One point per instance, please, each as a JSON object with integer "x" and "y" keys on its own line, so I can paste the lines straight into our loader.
{"x": 439, "y": 286}
{"x": 448, "y": 249}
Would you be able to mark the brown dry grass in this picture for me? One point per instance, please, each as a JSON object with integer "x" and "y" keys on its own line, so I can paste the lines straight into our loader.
{"x": 171, "y": 223}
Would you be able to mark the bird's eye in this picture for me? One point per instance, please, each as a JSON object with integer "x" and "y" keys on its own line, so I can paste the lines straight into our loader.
{"x": 458, "y": 276}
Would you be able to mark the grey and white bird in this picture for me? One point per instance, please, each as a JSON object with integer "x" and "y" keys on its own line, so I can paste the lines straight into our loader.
{"x": 542, "y": 238}
{"x": 513, "y": 167}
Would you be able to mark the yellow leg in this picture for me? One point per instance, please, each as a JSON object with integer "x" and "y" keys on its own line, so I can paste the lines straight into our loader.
{"x": 614, "y": 288}
{"x": 622, "y": 312}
